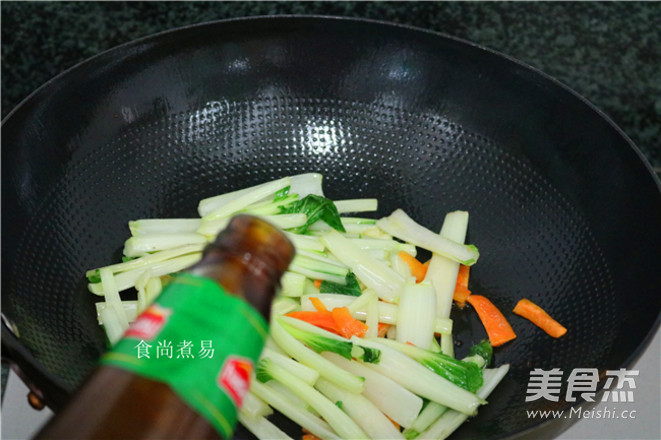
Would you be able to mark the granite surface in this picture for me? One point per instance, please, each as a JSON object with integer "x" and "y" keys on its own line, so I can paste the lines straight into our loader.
{"x": 609, "y": 52}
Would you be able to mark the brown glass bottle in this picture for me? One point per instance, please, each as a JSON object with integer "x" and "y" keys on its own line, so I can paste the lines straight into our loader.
{"x": 247, "y": 260}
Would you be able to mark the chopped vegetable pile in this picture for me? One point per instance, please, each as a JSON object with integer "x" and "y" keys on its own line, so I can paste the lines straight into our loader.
{"x": 361, "y": 337}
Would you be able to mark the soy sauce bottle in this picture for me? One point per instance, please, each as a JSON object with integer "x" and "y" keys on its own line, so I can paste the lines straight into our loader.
{"x": 182, "y": 368}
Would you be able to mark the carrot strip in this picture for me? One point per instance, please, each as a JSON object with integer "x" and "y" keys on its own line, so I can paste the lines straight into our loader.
{"x": 462, "y": 275}
{"x": 383, "y": 329}
{"x": 418, "y": 270}
{"x": 322, "y": 319}
{"x": 498, "y": 329}
{"x": 460, "y": 296}
{"x": 307, "y": 435}
{"x": 316, "y": 302}
{"x": 317, "y": 284}
{"x": 461, "y": 291}
{"x": 539, "y": 317}
{"x": 393, "y": 422}
{"x": 346, "y": 324}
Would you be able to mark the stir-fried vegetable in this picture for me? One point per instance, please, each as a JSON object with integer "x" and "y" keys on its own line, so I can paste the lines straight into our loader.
{"x": 350, "y": 286}
{"x": 461, "y": 292}
{"x": 497, "y": 327}
{"x": 539, "y": 317}
{"x": 361, "y": 337}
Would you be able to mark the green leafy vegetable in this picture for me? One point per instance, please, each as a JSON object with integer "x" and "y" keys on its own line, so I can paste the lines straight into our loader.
{"x": 466, "y": 375}
{"x": 321, "y": 341}
{"x": 484, "y": 350}
{"x": 315, "y": 208}
{"x": 351, "y": 287}
{"x": 480, "y": 354}
{"x": 282, "y": 194}
{"x": 93, "y": 276}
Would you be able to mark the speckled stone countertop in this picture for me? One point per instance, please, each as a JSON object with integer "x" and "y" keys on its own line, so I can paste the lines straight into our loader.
{"x": 608, "y": 52}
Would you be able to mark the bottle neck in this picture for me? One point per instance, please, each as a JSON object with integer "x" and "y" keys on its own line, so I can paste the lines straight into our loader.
{"x": 245, "y": 276}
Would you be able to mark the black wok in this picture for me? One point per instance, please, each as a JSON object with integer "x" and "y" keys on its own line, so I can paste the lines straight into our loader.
{"x": 563, "y": 207}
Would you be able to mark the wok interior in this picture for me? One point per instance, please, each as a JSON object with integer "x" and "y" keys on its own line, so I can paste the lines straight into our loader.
{"x": 155, "y": 134}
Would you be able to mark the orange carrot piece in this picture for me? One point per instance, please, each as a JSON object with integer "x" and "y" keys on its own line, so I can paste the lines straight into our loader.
{"x": 498, "y": 329}
{"x": 323, "y": 319}
{"x": 316, "y": 302}
{"x": 383, "y": 329}
{"x": 393, "y": 422}
{"x": 462, "y": 275}
{"x": 418, "y": 270}
{"x": 461, "y": 291}
{"x": 539, "y": 317}
{"x": 346, "y": 324}
{"x": 317, "y": 284}
{"x": 307, "y": 435}
{"x": 461, "y": 294}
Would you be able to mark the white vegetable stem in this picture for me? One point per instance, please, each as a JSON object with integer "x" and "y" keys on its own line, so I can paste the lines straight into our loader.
{"x": 142, "y": 244}
{"x": 352, "y": 226}
{"x": 400, "y": 266}
{"x": 254, "y": 407}
{"x": 150, "y": 259}
{"x": 113, "y": 300}
{"x": 447, "y": 423}
{"x": 356, "y": 205}
{"x": 338, "y": 420}
{"x": 261, "y": 427}
{"x": 306, "y": 374}
{"x": 292, "y": 284}
{"x": 316, "y": 273}
{"x": 227, "y": 204}
{"x": 140, "y": 286}
{"x": 126, "y": 280}
{"x": 305, "y": 184}
{"x": 374, "y": 274}
{"x": 372, "y": 318}
{"x": 113, "y": 315}
{"x": 296, "y": 413}
{"x": 400, "y": 225}
{"x": 111, "y": 324}
{"x": 130, "y": 308}
{"x": 305, "y": 242}
{"x": 427, "y": 416}
{"x": 391, "y": 398}
{"x": 164, "y": 226}
{"x": 442, "y": 271}
{"x": 153, "y": 289}
{"x": 421, "y": 381}
{"x": 416, "y": 314}
{"x": 269, "y": 206}
{"x": 447, "y": 344}
{"x": 383, "y": 244}
{"x": 211, "y": 228}
{"x": 283, "y": 305}
{"x": 306, "y": 356}
{"x": 375, "y": 424}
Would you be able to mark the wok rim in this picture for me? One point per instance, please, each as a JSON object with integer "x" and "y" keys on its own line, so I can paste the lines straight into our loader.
{"x": 15, "y": 346}
{"x": 355, "y": 20}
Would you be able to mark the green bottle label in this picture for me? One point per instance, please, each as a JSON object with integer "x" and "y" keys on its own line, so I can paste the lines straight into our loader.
{"x": 205, "y": 351}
